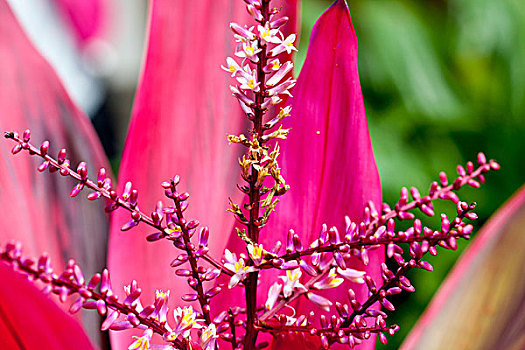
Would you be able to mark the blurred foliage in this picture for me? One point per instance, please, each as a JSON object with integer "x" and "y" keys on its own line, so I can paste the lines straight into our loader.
{"x": 442, "y": 80}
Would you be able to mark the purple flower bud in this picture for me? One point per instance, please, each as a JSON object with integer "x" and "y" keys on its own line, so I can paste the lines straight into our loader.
{"x": 101, "y": 307}
{"x": 399, "y": 259}
{"x": 481, "y": 158}
{"x": 417, "y": 226}
{"x": 470, "y": 167}
{"x": 427, "y": 210}
{"x": 43, "y": 166}
{"x": 93, "y": 196}
{"x": 461, "y": 171}
{"x": 90, "y": 304}
{"x": 153, "y": 237}
{"x": 82, "y": 170}
{"x": 128, "y": 225}
{"x": 339, "y": 260}
{"x": 308, "y": 268}
{"x": 189, "y": 297}
{"x": 403, "y": 199}
{"x": 245, "y": 33}
{"x": 213, "y": 292}
{"x": 415, "y": 250}
{"x": 204, "y": 235}
{"x": 26, "y": 135}
{"x": 44, "y": 264}
{"x": 451, "y": 196}
{"x": 405, "y": 215}
{"x": 324, "y": 342}
{"x": 425, "y": 265}
{"x": 105, "y": 286}
{"x": 192, "y": 224}
{"x": 289, "y": 265}
{"x": 211, "y": 274}
{"x": 76, "y": 306}
{"x": 79, "y": 276}
{"x": 127, "y": 191}
{"x": 76, "y": 190}
{"x": 93, "y": 282}
{"x": 342, "y": 310}
{"x": 279, "y": 22}
{"x": 110, "y": 320}
{"x": 132, "y": 298}
{"x": 370, "y": 282}
{"x": 364, "y": 256}
{"x": 183, "y": 272}
{"x": 415, "y": 193}
{"x": 289, "y": 241}
{"x": 443, "y": 178}
{"x": 452, "y": 243}
{"x": 445, "y": 223}
{"x": 380, "y": 233}
{"x": 44, "y": 148}
{"x": 220, "y": 317}
{"x": 297, "y": 243}
{"x": 404, "y": 281}
{"x": 254, "y": 12}
{"x": 382, "y": 337}
{"x": 333, "y": 235}
{"x": 471, "y": 216}
{"x": 133, "y": 319}
{"x": 183, "y": 196}
{"x": 393, "y": 291}
{"x": 133, "y": 198}
{"x": 120, "y": 326}
{"x": 473, "y": 183}
{"x": 147, "y": 311}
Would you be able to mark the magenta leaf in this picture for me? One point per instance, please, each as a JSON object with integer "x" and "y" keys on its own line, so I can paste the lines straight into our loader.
{"x": 183, "y": 111}
{"x": 480, "y": 305}
{"x": 30, "y": 320}
{"x": 36, "y": 209}
{"x": 327, "y": 159}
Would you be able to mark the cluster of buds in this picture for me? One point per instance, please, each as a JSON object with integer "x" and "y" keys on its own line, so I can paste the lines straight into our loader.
{"x": 324, "y": 262}
{"x": 259, "y": 73}
{"x": 98, "y": 294}
{"x": 308, "y": 269}
{"x": 262, "y": 79}
{"x": 169, "y": 224}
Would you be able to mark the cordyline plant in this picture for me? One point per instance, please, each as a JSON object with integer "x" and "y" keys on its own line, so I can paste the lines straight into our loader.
{"x": 298, "y": 272}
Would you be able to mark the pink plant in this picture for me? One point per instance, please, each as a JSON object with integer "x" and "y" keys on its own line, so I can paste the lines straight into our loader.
{"x": 305, "y": 263}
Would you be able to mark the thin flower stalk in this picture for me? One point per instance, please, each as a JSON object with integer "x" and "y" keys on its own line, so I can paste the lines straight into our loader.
{"x": 256, "y": 93}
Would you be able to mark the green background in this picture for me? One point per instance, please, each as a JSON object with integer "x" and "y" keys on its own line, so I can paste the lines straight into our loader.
{"x": 442, "y": 80}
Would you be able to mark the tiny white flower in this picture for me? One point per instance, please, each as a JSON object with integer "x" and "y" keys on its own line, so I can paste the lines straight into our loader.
{"x": 256, "y": 253}
{"x": 248, "y": 50}
{"x": 273, "y": 295}
{"x": 232, "y": 66}
{"x": 355, "y": 276}
{"x": 209, "y": 337}
{"x": 291, "y": 281}
{"x": 248, "y": 79}
{"x": 238, "y": 267}
{"x": 142, "y": 343}
{"x": 269, "y": 35}
{"x": 332, "y": 280}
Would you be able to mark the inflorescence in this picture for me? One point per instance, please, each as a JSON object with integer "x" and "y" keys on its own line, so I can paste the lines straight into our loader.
{"x": 306, "y": 267}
